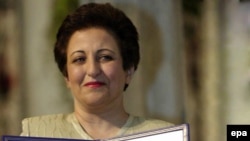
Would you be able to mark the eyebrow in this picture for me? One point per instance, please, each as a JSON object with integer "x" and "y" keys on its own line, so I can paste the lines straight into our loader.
{"x": 101, "y": 50}
{"x": 78, "y": 51}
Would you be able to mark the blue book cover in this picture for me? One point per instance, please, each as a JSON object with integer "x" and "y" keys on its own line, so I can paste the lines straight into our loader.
{"x": 23, "y": 138}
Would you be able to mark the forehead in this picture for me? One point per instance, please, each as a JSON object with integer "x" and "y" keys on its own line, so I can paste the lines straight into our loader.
{"x": 92, "y": 38}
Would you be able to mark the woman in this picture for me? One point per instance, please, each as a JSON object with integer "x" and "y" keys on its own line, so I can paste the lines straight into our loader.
{"x": 97, "y": 51}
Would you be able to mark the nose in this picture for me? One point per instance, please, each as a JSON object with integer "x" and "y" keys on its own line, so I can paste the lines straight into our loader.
{"x": 93, "y": 68}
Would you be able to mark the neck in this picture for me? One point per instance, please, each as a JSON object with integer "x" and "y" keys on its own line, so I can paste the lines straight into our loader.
{"x": 111, "y": 116}
{"x": 101, "y": 123}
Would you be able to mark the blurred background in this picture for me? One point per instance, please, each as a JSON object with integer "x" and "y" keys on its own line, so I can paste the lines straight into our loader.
{"x": 195, "y": 62}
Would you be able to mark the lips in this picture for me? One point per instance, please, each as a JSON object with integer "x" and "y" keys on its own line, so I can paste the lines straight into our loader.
{"x": 94, "y": 84}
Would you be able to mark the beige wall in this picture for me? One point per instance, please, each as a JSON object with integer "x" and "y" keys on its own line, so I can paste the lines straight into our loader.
{"x": 224, "y": 70}
{"x": 43, "y": 86}
{"x": 237, "y": 65}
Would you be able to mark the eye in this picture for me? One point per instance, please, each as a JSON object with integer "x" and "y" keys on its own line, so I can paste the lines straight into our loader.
{"x": 79, "y": 60}
{"x": 105, "y": 58}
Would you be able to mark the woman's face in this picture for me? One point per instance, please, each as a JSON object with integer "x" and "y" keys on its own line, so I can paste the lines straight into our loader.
{"x": 94, "y": 65}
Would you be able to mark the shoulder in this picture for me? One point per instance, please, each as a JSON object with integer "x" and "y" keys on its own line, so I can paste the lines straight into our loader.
{"x": 48, "y": 118}
{"x": 141, "y": 124}
{"x": 151, "y": 122}
{"x": 59, "y": 125}
{"x": 44, "y": 125}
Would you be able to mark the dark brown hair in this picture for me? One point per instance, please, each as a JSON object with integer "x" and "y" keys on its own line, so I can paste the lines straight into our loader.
{"x": 103, "y": 16}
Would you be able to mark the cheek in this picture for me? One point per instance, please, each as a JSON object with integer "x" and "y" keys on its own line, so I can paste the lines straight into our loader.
{"x": 115, "y": 74}
{"x": 75, "y": 74}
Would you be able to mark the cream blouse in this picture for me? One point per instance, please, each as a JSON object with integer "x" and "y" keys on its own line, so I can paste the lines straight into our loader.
{"x": 67, "y": 126}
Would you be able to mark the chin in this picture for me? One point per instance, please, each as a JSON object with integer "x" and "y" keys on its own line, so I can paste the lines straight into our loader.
{"x": 96, "y": 98}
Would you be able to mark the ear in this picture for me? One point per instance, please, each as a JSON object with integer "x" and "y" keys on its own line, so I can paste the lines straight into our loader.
{"x": 67, "y": 81}
{"x": 130, "y": 73}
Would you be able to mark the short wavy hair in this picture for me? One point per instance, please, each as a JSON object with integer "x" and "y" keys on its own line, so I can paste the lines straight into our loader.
{"x": 103, "y": 16}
